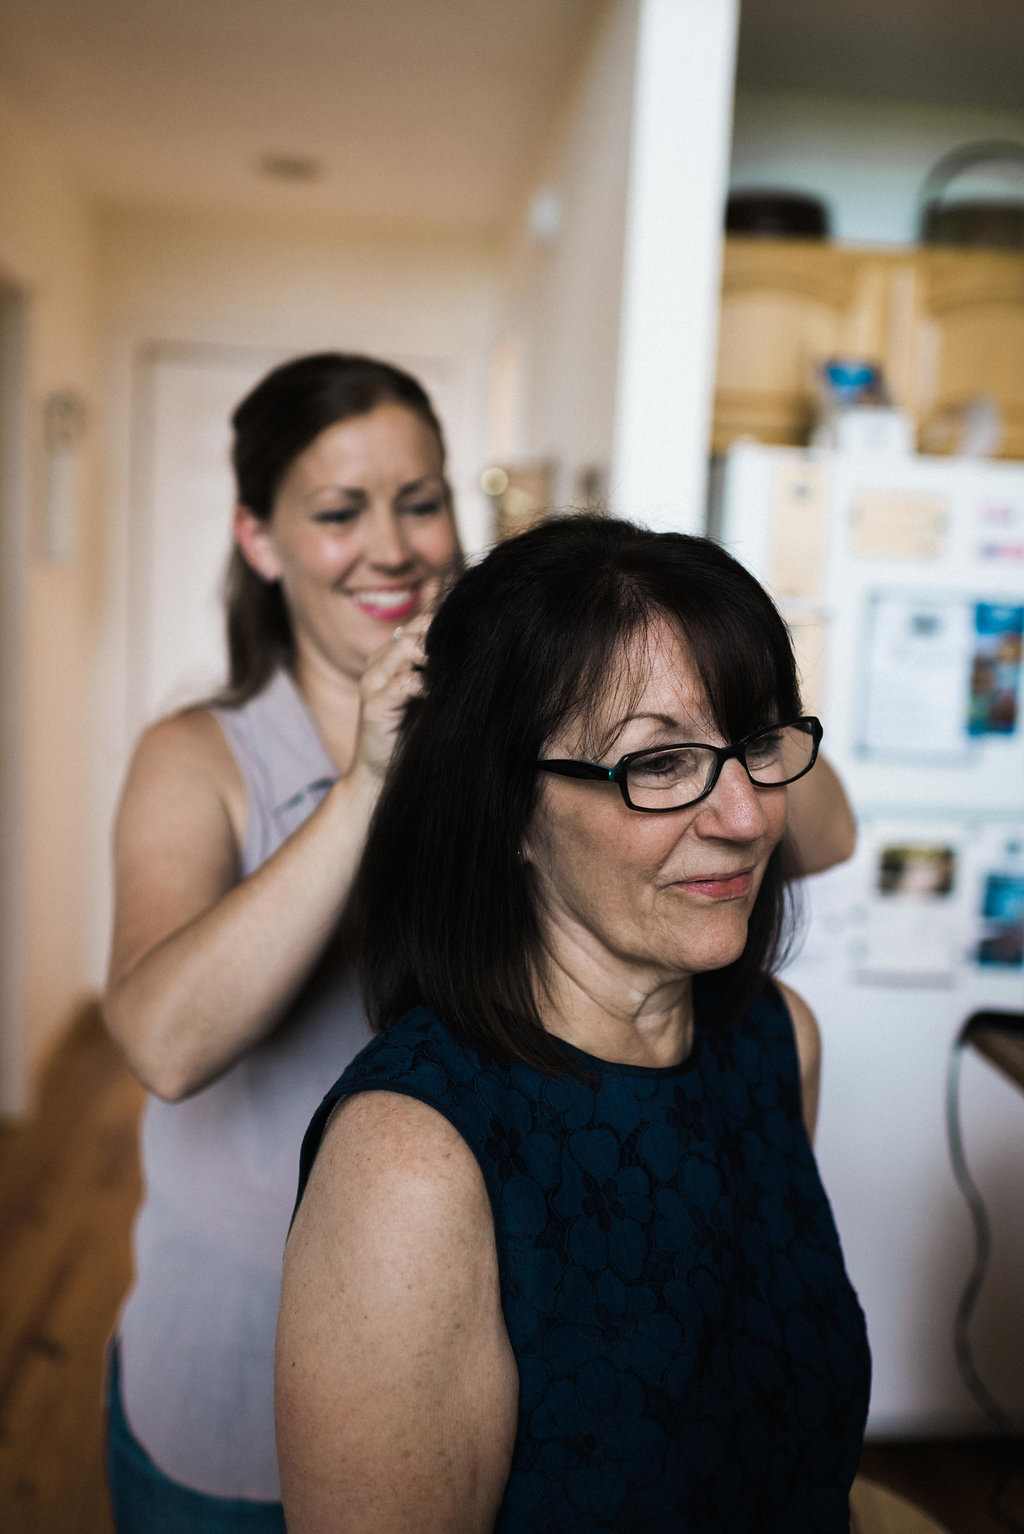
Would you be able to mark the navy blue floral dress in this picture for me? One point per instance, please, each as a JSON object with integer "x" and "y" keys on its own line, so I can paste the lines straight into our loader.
{"x": 691, "y": 1354}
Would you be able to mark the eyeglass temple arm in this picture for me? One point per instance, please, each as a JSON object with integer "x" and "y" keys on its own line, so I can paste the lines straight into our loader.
{"x": 591, "y": 770}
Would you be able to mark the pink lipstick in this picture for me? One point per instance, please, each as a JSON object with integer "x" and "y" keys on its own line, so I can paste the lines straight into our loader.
{"x": 387, "y": 604}
{"x": 718, "y": 887}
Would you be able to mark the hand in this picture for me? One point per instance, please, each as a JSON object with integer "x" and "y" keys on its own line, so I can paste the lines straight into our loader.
{"x": 391, "y": 678}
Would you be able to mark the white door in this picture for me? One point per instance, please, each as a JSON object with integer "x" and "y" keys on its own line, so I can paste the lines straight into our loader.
{"x": 180, "y": 535}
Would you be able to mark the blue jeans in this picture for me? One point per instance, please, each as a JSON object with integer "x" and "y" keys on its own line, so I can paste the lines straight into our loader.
{"x": 145, "y": 1501}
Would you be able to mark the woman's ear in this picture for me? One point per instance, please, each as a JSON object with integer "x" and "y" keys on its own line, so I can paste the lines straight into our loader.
{"x": 255, "y": 542}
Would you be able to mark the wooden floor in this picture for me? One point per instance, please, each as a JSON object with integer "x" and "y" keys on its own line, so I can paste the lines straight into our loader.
{"x": 69, "y": 1183}
{"x": 955, "y": 1482}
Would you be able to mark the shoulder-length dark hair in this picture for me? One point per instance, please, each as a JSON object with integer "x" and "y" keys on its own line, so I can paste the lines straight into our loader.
{"x": 527, "y": 640}
{"x": 275, "y": 422}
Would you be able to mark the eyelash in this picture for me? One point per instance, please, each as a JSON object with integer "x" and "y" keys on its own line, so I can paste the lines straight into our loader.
{"x": 340, "y": 515}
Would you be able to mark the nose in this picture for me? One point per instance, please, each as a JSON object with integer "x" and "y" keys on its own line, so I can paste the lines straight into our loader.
{"x": 734, "y": 809}
{"x": 387, "y": 548}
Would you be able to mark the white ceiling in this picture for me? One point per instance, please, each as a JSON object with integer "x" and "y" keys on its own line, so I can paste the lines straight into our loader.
{"x": 421, "y": 111}
{"x": 425, "y": 111}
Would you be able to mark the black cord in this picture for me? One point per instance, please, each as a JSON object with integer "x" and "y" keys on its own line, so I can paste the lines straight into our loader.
{"x": 996, "y": 1415}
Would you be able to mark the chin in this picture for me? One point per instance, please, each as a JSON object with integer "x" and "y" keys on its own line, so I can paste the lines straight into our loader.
{"x": 719, "y": 952}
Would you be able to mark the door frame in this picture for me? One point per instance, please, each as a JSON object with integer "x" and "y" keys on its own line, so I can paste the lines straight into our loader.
{"x": 15, "y": 541}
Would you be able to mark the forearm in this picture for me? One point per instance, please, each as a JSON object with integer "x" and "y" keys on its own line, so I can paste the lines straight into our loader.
{"x": 188, "y": 1007}
{"x": 822, "y": 830}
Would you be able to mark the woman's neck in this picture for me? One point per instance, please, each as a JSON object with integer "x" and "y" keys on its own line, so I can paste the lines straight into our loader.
{"x": 616, "y": 1014}
{"x": 332, "y": 698}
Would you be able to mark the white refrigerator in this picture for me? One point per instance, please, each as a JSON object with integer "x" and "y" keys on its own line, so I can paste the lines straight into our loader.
{"x": 902, "y": 580}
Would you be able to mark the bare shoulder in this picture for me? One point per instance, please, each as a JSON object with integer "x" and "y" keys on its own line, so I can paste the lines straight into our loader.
{"x": 394, "y": 1158}
{"x": 396, "y": 1201}
{"x": 808, "y": 1048}
{"x": 391, "y": 1344}
{"x": 805, "y": 1025}
{"x": 183, "y": 766}
{"x": 190, "y": 747}
{"x": 179, "y": 828}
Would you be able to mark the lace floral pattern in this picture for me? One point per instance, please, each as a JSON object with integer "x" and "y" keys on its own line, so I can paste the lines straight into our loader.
{"x": 691, "y": 1354}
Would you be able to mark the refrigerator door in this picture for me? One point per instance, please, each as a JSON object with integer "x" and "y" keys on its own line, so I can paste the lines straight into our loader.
{"x": 902, "y": 579}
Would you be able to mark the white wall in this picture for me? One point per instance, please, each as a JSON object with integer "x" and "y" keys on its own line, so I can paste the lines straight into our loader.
{"x": 560, "y": 330}
{"x": 608, "y": 344}
{"x": 672, "y": 277}
{"x": 263, "y": 284}
{"x": 47, "y": 260}
{"x": 866, "y": 159}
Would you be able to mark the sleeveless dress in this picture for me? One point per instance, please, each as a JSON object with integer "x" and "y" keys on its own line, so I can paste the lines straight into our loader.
{"x": 196, "y": 1336}
{"x": 691, "y": 1354}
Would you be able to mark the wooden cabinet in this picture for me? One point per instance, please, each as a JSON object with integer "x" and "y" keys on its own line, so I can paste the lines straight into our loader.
{"x": 970, "y": 333}
{"x": 944, "y": 325}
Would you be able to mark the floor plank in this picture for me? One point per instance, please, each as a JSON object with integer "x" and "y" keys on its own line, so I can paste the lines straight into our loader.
{"x": 955, "y": 1482}
{"x": 881, "y": 1511}
{"x": 69, "y": 1185}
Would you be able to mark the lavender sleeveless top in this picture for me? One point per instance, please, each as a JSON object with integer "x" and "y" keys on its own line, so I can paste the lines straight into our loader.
{"x": 197, "y": 1330}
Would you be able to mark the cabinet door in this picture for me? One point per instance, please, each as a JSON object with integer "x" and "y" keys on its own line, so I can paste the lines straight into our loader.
{"x": 970, "y": 338}
{"x": 787, "y": 307}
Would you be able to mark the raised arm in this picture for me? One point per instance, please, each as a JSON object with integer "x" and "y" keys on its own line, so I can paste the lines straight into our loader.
{"x": 822, "y": 830}
{"x": 396, "y": 1389}
{"x": 808, "y": 1048}
{"x": 202, "y": 965}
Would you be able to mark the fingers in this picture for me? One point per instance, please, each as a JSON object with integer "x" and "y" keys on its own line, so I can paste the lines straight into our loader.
{"x": 391, "y": 678}
{"x": 402, "y": 652}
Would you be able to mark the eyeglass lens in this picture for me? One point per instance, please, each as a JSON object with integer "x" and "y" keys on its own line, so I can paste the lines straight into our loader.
{"x": 673, "y": 778}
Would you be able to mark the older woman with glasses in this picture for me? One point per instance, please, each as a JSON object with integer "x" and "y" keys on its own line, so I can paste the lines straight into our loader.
{"x": 562, "y": 1258}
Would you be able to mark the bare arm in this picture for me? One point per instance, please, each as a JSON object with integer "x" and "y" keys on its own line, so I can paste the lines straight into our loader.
{"x": 808, "y": 1048}
{"x": 203, "y": 966}
{"x": 396, "y": 1388}
{"x": 821, "y": 829}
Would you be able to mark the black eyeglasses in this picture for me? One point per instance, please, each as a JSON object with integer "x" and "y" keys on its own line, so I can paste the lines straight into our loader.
{"x": 665, "y": 778}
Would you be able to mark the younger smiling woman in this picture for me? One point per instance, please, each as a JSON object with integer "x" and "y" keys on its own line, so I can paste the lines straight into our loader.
{"x": 238, "y": 835}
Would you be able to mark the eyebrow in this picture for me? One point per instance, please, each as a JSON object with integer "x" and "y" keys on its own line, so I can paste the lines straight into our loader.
{"x": 669, "y": 720}
{"x": 421, "y": 483}
{"x": 615, "y": 729}
{"x": 358, "y": 493}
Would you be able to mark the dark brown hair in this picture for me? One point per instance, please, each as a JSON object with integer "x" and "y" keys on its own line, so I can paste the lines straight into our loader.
{"x": 525, "y": 641}
{"x": 275, "y": 422}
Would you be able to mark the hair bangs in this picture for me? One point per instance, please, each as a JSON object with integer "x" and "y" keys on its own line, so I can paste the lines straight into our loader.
{"x": 611, "y": 655}
{"x": 749, "y": 679}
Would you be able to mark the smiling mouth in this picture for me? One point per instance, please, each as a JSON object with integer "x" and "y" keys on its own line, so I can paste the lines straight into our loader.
{"x": 387, "y": 604}
{"x": 719, "y": 886}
